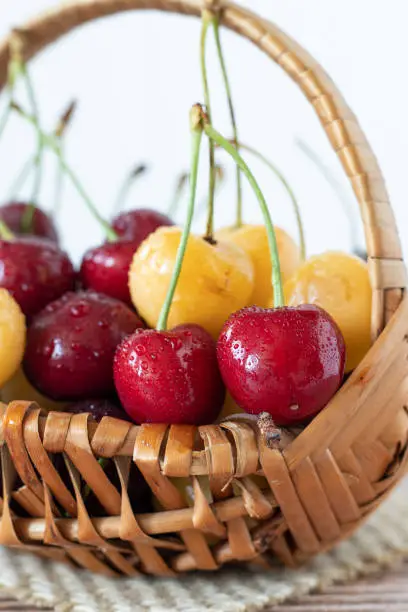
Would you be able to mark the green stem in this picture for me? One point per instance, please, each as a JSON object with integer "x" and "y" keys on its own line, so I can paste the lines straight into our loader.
{"x": 59, "y": 184}
{"x": 5, "y": 117}
{"x": 28, "y": 216}
{"x": 126, "y": 185}
{"x": 175, "y": 202}
{"x": 336, "y": 186}
{"x": 196, "y": 131}
{"x": 51, "y": 142}
{"x": 215, "y": 23}
{"x": 21, "y": 177}
{"x": 206, "y": 20}
{"x": 282, "y": 179}
{"x": 59, "y": 133}
{"x": 273, "y": 246}
{"x": 5, "y": 232}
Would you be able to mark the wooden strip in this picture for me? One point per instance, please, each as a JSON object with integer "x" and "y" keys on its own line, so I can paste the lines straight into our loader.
{"x": 338, "y": 492}
{"x": 313, "y": 497}
{"x": 277, "y": 474}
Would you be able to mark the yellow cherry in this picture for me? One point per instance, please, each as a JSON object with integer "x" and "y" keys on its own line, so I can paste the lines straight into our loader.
{"x": 339, "y": 283}
{"x": 12, "y": 336}
{"x": 18, "y": 388}
{"x": 215, "y": 280}
{"x": 254, "y": 241}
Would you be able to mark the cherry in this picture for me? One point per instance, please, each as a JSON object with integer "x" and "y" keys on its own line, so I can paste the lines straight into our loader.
{"x": 71, "y": 344}
{"x": 285, "y": 361}
{"x": 41, "y": 225}
{"x": 106, "y": 269}
{"x": 98, "y": 408}
{"x": 136, "y": 225}
{"x": 169, "y": 376}
{"x": 35, "y": 272}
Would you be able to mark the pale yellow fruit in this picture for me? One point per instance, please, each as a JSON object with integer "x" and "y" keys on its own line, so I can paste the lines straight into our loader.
{"x": 215, "y": 280}
{"x": 339, "y": 283}
{"x": 12, "y": 336}
{"x": 254, "y": 241}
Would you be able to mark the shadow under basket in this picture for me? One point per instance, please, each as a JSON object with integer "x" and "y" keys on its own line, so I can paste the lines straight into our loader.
{"x": 251, "y": 503}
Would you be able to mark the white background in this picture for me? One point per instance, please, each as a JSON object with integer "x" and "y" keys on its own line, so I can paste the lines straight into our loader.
{"x": 136, "y": 75}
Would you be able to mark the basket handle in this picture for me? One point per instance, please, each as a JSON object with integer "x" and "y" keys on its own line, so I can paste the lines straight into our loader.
{"x": 387, "y": 270}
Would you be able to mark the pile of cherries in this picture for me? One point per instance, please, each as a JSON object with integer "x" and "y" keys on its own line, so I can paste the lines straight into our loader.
{"x": 160, "y": 325}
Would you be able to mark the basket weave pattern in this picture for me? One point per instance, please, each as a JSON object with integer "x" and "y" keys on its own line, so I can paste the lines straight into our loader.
{"x": 321, "y": 485}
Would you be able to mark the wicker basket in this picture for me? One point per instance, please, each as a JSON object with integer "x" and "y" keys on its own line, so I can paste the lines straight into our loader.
{"x": 322, "y": 485}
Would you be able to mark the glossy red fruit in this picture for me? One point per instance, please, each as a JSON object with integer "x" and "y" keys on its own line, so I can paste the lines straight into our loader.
{"x": 136, "y": 225}
{"x": 285, "y": 361}
{"x": 98, "y": 408}
{"x": 35, "y": 272}
{"x": 71, "y": 344}
{"x": 106, "y": 269}
{"x": 12, "y": 214}
{"x": 169, "y": 376}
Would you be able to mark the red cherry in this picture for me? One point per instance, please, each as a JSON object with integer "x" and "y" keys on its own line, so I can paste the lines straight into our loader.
{"x": 169, "y": 376}
{"x": 98, "y": 408}
{"x": 285, "y": 361}
{"x": 35, "y": 272}
{"x": 136, "y": 225}
{"x": 42, "y": 225}
{"x": 71, "y": 344}
{"x": 105, "y": 269}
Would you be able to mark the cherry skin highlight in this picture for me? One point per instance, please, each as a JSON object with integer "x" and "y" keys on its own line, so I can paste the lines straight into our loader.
{"x": 106, "y": 269}
{"x": 35, "y": 272}
{"x": 43, "y": 226}
{"x": 169, "y": 376}
{"x": 285, "y": 361}
{"x": 136, "y": 225}
{"x": 72, "y": 342}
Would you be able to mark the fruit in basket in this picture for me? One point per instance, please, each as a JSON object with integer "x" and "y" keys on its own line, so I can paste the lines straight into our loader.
{"x": 12, "y": 336}
{"x": 215, "y": 280}
{"x": 136, "y": 225}
{"x": 169, "y": 376}
{"x": 253, "y": 240}
{"x": 34, "y": 271}
{"x": 71, "y": 344}
{"x": 288, "y": 362}
{"x": 106, "y": 269}
{"x": 285, "y": 361}
{"x": 42, "y": 225}
{"x": 98, "y": 408}
{"x": 339, "y": 283}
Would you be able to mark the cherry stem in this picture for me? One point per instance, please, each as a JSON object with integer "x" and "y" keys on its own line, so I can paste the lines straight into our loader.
{"x": 60, "y": 132}
{"x": 215, "y": 23}
{"x": 175, "y": 202}
{"x": 31, "y": 161}
{"x": 196, "y": 133}
{"x": 285, "y": 183}
{"x": 52, "y": 143}
{"x": 5, "y": 117}
{"x": 126, "y": 185}
{"x": 270, "y": 231}
{"x": 206, "y": 20}
{"x": 5, "y": 231}
{"x": 28, "y": 216}
{"x": 337, "y": 188}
